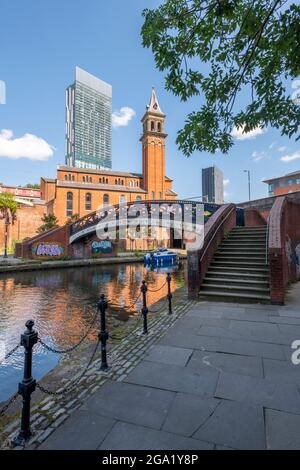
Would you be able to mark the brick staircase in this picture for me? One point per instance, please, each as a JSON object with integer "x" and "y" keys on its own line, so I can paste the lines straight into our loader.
{"x": 239, "y": 271}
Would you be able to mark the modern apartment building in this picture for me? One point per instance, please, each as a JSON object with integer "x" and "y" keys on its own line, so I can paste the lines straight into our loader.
{"x": 88, "y": 122}
{"x": 212, "y": 185}
{"x": 286, "y": 184}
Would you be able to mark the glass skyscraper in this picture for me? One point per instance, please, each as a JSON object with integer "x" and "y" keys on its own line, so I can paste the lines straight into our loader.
{"x": 212, "y": 185}
{"x": 88, "y": 122}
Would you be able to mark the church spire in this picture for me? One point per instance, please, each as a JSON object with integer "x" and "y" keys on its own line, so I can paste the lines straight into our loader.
{"x": 153, "y": 106}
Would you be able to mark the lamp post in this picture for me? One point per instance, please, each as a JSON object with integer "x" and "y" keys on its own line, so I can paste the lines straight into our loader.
{"x": 249, "y": 183}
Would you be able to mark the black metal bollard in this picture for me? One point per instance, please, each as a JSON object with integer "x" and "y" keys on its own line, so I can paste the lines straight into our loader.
{"x": 169, "y": 293}
{"x": 103, "y": 335}
{"x": 145, "y": 310}
{"x": 28, "y": 339}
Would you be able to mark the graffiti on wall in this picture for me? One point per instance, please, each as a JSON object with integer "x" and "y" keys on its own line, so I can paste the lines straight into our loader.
{"x": 102, "y": 247}
{"x": 293, "y": 256}
{"x": 48, "y": 250}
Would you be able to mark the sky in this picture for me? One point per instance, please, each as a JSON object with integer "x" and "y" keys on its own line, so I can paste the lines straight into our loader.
{"x": 41, "y": 44}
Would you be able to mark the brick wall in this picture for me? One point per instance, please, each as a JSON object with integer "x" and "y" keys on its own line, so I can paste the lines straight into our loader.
{"x": 220, "y": 223}
{"x": 284, "y": 238}
{"x": 28, "y": 219}
{"x": 253, "y": 218}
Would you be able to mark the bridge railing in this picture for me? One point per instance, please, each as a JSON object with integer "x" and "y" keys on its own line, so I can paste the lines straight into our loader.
{"x": 95, "y": 217}
{"x": 215, "y": 229}
{"x": 283, "y": 247}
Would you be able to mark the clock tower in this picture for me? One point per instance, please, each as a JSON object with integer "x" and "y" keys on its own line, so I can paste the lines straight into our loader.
{"x": 153, "y": 142}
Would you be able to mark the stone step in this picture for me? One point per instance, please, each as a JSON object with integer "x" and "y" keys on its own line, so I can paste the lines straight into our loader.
{"x": 241, "y": 269}
{"x": 238, "y": 263}
{"x": 239, "y": 257}
{"x": 226, "y": 274}
{"x": 240, "y": 298}
{"x": 250, "y": 229}
{"x": 236, "y": 253}
{"x": 235, "y": 289}
{"x": 243, "y": 246}
{"x": 236, "y": 282}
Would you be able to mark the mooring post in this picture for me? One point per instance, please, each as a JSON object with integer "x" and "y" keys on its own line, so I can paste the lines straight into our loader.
{"x": 28, "y": 339}
{"x": 103, "y": 335}
{"x": 144, "y": 290}
{"x": 169, "y": 278}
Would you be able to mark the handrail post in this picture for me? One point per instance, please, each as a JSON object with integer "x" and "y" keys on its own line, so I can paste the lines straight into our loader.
{"x": 28, "y": 339}
{"x": 144, "y": 290}
{"x": 169, "y": 293}
{"x": 103, "y": 335}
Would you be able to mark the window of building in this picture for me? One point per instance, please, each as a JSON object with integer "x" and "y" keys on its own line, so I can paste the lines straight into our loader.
{"x": 116, "y": 181}
{"x": 138, "y": 199}
{"x": 91, "y": 179}
{"x": 152, "y": 195}
{"x": 105, "y": 199}
{"x": 83, "y": 179}
{"x": 160, "y": 196}
{"x": 152, "y": 126}
{"x": 122, "y": 199}
{"x": 159, "y": 127}
{"x": 88, "y": 202}
{"x": 106, "y": 180}
{"x": 73, "y": 178}
{"x": 66, "y": 177}
{"x": 122, "y": 182}
{"x": 69, "y": 204}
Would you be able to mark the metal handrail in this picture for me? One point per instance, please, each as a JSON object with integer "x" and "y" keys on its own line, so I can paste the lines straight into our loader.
{"x": 267, "y": 241}
{"x": 215, "y": 232}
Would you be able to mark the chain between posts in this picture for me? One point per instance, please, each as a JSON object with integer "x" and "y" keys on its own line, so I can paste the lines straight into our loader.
{"x": 10, "y": 353}
{"x": 71, "y": 348}
{"x": 73, "y": 385}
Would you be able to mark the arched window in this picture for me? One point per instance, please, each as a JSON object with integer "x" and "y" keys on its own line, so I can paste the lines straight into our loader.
{"x": 69, "y": 204}
{"x": 159, "y": 127}
{"x": 122, "y": 199}
{"x": 152, "y": 126}
{"x": 138, "y": 199}
{"x": 106, "y": 180}
{"x": 73, "y": 178}
{"x": 116, "y": 181}
{"x": 66, "y": 177}
{"x": 83, "y": 179}
{"x": 88, "y": 202}
{"x": 105, "y": 199}
{"x": 91, "y": 179}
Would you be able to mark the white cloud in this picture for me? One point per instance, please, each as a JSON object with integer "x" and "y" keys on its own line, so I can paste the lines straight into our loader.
{"x": 122, "y": 117}
{"x": 239, "y": 134}
{"x": 28, "y": 146}
{"x": 259, "y": 155}
{"x": 282, "y": 149}
{"x": 291, "y": 157}
{"x": 226, "y": 182}
{"x": 226, "y": 195}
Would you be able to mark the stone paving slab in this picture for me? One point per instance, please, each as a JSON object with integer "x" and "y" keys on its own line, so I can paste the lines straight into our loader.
{"x": 188, "y": 412}
{"x": 282, "y": 430}
{"x": 174, "y": 378}
{"x": 130, "y": 403}
{"x": 226, "y": 345}
{"x": 169, "y": 355}
{"x": 245, "y": 365}
{"x": 279, "y": 396}
{"x": 125, "y": 436}
{"x": 281, "y": 371}
{"x": 82, "y": 431}
{"x": 236, "y": 425}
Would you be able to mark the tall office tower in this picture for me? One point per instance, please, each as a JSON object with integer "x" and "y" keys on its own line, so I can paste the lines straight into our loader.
{"x": 212, "y": 185}
{"x": 88, "y": 122}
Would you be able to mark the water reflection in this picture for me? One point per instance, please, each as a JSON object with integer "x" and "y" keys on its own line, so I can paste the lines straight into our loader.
{"x": 62, "y": 304}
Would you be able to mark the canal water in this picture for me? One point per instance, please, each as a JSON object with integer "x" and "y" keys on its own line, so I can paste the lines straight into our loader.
{"x": 62, "y": 304}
